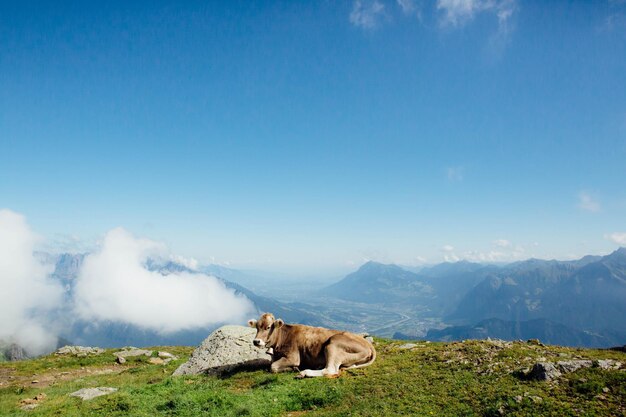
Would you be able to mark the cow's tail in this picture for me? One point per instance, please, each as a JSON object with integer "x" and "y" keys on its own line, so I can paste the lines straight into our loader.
{"x": 368, "y": 363}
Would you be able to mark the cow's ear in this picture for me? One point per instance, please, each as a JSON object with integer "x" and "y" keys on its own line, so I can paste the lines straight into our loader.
{"x": 252, "y": 323}
{"x": 279, "y": 323}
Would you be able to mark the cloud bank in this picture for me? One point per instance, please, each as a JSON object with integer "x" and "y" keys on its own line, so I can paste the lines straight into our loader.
{"x": 28, "y": 295}
{"x": 115, "y": 284}
{"x": 503, "y": 250}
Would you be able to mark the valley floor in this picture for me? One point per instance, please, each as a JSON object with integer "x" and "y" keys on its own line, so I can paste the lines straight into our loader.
{"x": 472, "y": 378}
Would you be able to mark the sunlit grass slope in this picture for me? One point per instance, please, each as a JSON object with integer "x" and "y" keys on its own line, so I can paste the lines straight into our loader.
{"x": 472, "y": 378}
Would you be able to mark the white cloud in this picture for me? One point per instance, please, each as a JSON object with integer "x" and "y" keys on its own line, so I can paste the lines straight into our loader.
{"x": 407, "y": 6}
{"x": 504, "y": 254}
{"x": 455, "y": 173}
{"x": 27, "y": 295}
{"x": 114, "y": 284}
{"x": 448, "y": 254}
{"x": 420, "y": 260}
{"x": 502, "y": 243}
{"x": 614, "y": 21}
{"x": 457, "y": 13}
{"x": 617, "y": 237}
{"x": 588, "y": 203}
{"x": 366, "y": 14}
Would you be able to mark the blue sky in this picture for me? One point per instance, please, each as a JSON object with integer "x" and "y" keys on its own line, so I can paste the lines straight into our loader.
{"x": 316, "y": 135}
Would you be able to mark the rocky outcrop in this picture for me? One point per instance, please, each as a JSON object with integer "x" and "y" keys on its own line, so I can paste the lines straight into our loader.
{"x": 79, "y": 351}
{"x": 548, "y": 371}
{"x": 227, "y": 349}
{"x": 16, "y": 353}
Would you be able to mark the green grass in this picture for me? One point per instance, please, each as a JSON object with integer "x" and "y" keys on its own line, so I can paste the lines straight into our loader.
{"x": 474, "y": 378}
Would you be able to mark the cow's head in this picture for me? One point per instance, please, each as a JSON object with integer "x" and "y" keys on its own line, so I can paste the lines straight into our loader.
{"x": 266, "y": 327}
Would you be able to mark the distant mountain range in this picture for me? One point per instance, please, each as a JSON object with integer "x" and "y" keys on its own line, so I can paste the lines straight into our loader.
{"x": 578, "y": 303}
{"x": 587, "y": 297}
{"x": 588, "y": 294}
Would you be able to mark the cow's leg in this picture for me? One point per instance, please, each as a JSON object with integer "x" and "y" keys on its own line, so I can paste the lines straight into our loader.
{"x": 332, "y": 352}
{"x": 284, "y": 364}
{"x": 340, "y": 353}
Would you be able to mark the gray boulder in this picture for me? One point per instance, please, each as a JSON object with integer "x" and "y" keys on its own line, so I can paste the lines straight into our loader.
{"x": 227, "y": 349}
{"x": 544, "y": 371}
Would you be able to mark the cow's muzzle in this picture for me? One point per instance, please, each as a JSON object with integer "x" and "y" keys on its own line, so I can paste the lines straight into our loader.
{"x": 258, "y": 343}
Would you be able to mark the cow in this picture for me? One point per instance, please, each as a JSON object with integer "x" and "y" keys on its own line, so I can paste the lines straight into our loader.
{"x": 314, "y": 351}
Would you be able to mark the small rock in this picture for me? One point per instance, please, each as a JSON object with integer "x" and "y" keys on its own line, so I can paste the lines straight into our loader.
{"x": 407, "y": 346}
{"x": 369, "y": 339}
{"x": 166, "y": 355}
{"x": 518, "y": 399}
{"x": 606, "y": 390}
{"x": 121, "y": 360}
{"x": 535, "y": 342}
{"x": 536, "y": 399}
{"x": 35, "y": 381}
{"x": 28, "y": 407}
{"x": 87, "y": 394}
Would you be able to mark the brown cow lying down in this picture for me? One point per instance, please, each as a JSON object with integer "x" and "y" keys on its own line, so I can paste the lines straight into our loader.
{"x": 318, "y": 351}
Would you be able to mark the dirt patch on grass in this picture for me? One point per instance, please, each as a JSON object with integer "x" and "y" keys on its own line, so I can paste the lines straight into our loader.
{"x": 8, "y": 377}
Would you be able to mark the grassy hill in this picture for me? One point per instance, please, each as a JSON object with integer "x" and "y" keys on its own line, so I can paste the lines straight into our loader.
{"x": 472, "y": 378}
